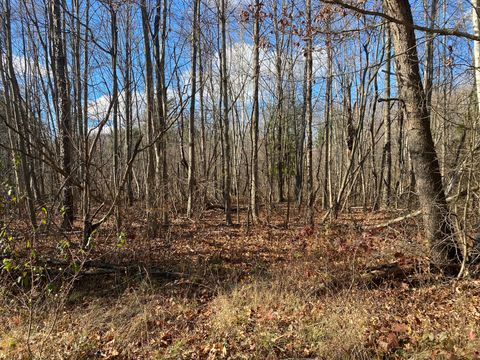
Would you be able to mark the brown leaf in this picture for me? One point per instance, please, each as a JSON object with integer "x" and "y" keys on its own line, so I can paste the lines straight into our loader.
{"x": 400, "y": 328}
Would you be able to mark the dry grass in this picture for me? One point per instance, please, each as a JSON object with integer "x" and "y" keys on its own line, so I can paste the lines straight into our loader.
{"x": 265, "y": 319}
{"x": 271, "y": 294}
{"x": 258, "y": 320}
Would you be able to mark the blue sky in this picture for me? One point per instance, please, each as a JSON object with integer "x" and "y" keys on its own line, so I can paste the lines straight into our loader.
{"x": 452, "y": 15}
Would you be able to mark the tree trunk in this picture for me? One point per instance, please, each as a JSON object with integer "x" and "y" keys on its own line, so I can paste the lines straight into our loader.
{"x": 226, "y": 136}
{"x": 255, "y": 113}
{"x": 191, "y": 121}
{"x": 86, "y": 161}
{"x": 476, "y": 49}
{"x": 279, "y": 105}
{"x": 328, "y": 190}
{"x": 128, "y": 102}
{"x": 432, "y": 198}
{"x": 308, "y": 111}
{"x": 163, "y": 122}
{"x": 116, "y": 152}
{"x": 152, "y": 227}
{"x": 64, "y": 114}
{"x": 387, "y": 147}
{"x": 20, "y": 122}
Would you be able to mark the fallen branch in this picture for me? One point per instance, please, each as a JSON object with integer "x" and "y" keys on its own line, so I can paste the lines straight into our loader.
{"x": 396, "y": 220}
{"x": 90, "y": 267}
{"x": 415, "y": 213}
{"x": 211, "y": 206}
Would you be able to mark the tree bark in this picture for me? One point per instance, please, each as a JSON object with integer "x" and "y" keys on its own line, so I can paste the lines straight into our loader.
{"x": 279, "y": 105}
{"x": 255, "y": 113}
{"x": 191, "y": 120}
{"x": 128, "y": 101}
{"x": 152, "y": 227}
{"x": 227, "y": 178}
{"x": 387, "y": 147}
{"x": 328, "y": 189}
{"x": 64, "y": 113}
{"x": 308, "y": 110}
{"x": 438, "y": 227}
{"x": 116, "y": 151}
{"x": 476, "y": 49}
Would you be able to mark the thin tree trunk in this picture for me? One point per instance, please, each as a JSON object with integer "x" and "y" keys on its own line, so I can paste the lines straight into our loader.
{"x": 87, "y": 221}
{"x": 476, "y": 49}
{"x": 20, "y": 124}
{"x": 255, "y": 113}
{"x": 128, "y": 103}
{"x": 162, "y": 105}
{"x": 64, "y": 114}
{"x": 203, "y": 134}
{"x": 116, "y": 151}
{"x": 163, "y": 123}
{"x": 152, "y": 227}
{"x": 191, "y": 121}
{"x": 387, "y": 147}
{"x": 279, "y": 105}
{"x": 328, "y": 189}
{"x": 308, "y": 110}
{"x": 11, "y": 135}
{"x": 226, "y": 123}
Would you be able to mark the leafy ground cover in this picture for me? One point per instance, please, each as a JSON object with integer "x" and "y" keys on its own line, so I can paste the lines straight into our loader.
{"x": 207, "y": 291}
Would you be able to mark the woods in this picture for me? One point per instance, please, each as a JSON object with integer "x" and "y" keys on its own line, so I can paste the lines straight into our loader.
{"x": 131, "y": 129}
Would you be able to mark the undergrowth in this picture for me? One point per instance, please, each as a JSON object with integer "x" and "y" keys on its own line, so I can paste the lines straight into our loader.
{"x": 267, "y": 294}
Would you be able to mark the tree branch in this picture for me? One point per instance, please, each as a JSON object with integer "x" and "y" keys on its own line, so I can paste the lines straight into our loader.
{"x": 438, "y": 31}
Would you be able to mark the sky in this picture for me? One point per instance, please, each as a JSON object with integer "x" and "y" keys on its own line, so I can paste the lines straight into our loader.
{"x": 452, "y": 14}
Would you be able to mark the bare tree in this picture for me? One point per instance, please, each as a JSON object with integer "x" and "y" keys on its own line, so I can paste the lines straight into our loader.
{"x": 227, "y": 179}
{"x": 20, "y": 129}
{"x": 114, "y": 58}
{"x": 308, "y": 109}
{"x": 151, "y": 188}
{"x": 191, "y": 121}
{"x": 255, "y": 112}
{"x": 64, "y": 115}
{"x": 279, "y": 39}
{"x": 476, "y": 48}
{"x": 387, "y": 147}
{"x": 433, "y": 202}
{"x": 160, "y": 40}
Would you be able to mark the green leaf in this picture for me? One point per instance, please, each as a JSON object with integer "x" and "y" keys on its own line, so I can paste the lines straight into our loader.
{"x": 7, "y": 264}
{"x": 122, "y": 239}
{"x": 12, "y": 195}
{"x": 51, "y": 288}
{"x": 75, "y": 268}
{"x": 44, "y": 221}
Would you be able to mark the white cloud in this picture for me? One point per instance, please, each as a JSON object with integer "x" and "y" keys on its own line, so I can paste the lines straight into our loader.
{"x": 98, "y": 109}
{"x": 26, "y": 67}
{"x": 240, "y": 70}
{"x": 230, "y": 5}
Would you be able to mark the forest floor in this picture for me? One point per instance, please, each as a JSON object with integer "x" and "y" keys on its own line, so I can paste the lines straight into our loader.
{"x": 207, "y": 291}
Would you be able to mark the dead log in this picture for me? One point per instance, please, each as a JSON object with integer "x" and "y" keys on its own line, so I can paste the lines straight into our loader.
{"x": 91, "y": 267}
